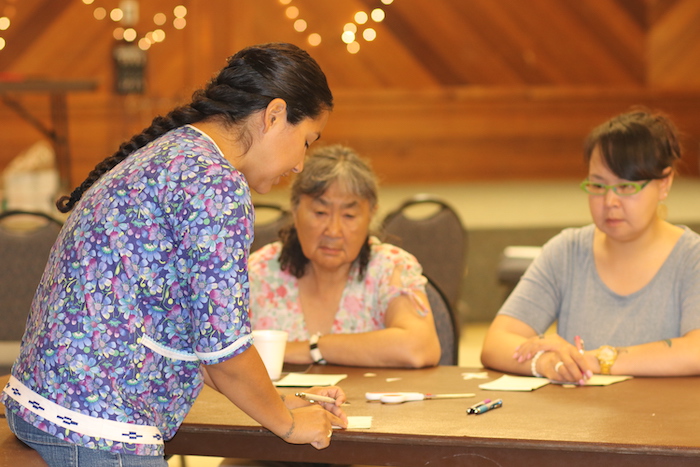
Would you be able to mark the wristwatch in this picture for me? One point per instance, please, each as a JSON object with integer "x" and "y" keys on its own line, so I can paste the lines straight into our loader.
{"x": 606, "y": 356}
{"x": 315, "y": 351}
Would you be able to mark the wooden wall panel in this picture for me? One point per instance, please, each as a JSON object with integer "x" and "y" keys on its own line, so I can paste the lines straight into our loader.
{"x": 455, "y": 135}
{"x": 450, "y": 90}
{"x": 674, "y": 46}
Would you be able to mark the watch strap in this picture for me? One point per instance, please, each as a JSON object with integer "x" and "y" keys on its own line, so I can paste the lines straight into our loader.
{"x": 315, "y": 351}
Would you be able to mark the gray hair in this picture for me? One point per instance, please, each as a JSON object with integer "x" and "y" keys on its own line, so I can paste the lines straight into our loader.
{"x": 325, "y": 166}
{"x": 335, "y": 163}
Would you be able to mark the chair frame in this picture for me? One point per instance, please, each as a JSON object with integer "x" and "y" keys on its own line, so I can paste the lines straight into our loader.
{"x": 283, "y": 214}
{"x": 456, "y": 330}
{"x": 52, "y": 227}
{"x": 420, "y": 198}
{"x": 15, "y": 212}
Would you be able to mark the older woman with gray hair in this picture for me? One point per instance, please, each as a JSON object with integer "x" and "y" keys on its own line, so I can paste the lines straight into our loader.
{"x": 344, "y": 297}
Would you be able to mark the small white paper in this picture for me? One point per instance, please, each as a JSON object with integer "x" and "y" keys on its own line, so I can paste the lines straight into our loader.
{"x": 359, "y": 422}
{"x": 303, "y": 380}
{"x": 479, "y": 375}
{"x": 515, "y": 383}
{"x": 605, "y": 380}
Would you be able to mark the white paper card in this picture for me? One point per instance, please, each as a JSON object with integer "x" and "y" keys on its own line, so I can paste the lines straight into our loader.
{"x": 605, "y": 380}
{"x": 515, "y": 383}
{"x": 303, "y": 380}
{"x": 359, "y": 422}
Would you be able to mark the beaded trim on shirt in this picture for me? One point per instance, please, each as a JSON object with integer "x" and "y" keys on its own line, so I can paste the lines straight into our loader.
{"x": 80, "y": 423}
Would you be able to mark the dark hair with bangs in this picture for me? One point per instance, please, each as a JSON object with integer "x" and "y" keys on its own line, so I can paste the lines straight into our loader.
{"x": 325, "y": 166}
{"x": 638, "y": 145}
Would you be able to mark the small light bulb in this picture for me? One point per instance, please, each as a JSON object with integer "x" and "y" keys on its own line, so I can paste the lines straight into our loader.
{"x": 361, "y": 17}
{"x": 314, "y": 39}
{"x": 369, "y": 34}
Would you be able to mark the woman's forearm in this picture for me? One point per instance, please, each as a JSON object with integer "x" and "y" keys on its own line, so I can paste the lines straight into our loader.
{"x": 502, "y": 338}
{"x": 244, "y": 380}
{"x": 392, "y": 347}
{"x": 671, "y": 357}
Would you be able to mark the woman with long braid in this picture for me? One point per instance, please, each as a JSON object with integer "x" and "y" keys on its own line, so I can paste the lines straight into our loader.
{"x": 145, "y": 294}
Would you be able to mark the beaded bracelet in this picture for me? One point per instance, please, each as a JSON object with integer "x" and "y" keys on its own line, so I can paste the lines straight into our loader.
{"x": 533, "y": 364}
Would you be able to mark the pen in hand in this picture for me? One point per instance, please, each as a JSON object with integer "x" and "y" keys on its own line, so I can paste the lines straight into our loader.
{"x": 314, "y": 397}
{"x": 581, "y": 349}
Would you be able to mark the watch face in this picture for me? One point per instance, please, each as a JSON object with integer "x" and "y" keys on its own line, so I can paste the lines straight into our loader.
{"x": 607, "y": 353}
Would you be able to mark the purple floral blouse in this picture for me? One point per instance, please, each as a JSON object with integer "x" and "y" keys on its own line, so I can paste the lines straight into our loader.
{"x": 147, "y": 280}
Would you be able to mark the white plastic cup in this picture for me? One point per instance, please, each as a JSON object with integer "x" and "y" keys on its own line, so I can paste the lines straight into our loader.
{"x": 270, "y": 345}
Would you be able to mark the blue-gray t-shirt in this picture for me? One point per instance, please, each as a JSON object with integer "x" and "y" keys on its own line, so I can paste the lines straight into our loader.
{"x": 563, "y": 285}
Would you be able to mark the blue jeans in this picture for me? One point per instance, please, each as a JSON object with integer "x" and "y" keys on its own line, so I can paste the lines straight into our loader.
{"x": 59, "y": 453}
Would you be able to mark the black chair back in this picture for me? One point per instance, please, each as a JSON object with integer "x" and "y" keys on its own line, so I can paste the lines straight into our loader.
{"x": 437, "y": 239}
{"x": 26, "y": 239}
{"x": 446, "y": 324}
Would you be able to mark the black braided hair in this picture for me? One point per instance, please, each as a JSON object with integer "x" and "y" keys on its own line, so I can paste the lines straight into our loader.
{"x": 252, "y": 78}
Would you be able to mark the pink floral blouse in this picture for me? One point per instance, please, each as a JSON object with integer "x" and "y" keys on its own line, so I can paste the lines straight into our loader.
{"x": 274, "y": 297}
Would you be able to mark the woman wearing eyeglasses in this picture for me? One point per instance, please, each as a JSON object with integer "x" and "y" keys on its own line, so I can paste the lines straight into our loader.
{"x": 624, "y": 291}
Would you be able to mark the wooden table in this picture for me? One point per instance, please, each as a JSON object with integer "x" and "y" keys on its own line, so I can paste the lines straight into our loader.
{"x": 640, "y": 422}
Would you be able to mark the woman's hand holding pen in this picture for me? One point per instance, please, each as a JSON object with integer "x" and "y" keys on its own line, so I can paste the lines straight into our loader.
{"x": 313, "y": 422}
{"x": 563, "y": 366}
{"x": 334, "y": 392}
{"x": 555, "y": 358}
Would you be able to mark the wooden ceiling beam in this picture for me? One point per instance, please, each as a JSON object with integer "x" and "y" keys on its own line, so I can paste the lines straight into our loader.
{"x": 419, "y": 47}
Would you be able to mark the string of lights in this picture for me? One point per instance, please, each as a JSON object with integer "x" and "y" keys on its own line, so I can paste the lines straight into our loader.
{"x": 359, "y": 27}
{"x": 8, "y": 11}
{"x": 126, "y": 14}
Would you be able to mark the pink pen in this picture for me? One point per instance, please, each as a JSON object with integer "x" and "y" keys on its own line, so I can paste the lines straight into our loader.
{"x": 579, "y": 345}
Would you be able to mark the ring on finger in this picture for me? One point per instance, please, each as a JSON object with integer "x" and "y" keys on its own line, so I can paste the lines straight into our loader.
{"x": 558, "y": 366}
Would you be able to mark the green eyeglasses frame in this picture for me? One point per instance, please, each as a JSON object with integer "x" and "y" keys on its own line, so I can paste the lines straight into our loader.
{"x": 620, "y": 189}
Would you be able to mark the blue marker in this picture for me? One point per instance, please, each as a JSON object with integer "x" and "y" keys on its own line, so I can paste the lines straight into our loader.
{"x": 473, "y": 408}
{"x": 485, "y": 408}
